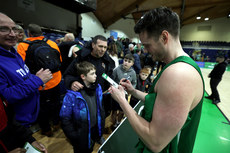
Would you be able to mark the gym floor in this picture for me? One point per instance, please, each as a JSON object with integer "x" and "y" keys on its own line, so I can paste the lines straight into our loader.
{"x": 214, "y": 131}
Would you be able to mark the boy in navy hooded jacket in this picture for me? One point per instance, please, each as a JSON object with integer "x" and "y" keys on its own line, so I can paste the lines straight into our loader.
{"x": 82, "y": 114}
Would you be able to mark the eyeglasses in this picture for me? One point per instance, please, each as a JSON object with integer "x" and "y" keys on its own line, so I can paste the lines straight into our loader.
{"x": 6, "y": 30}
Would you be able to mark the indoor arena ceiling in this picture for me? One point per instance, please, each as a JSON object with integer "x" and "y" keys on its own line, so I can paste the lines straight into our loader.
{"x": 110, "y": 11}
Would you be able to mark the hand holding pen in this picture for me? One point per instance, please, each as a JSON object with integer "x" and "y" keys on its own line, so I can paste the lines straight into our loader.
{"x": 119, "y": 93}
{"x": 126, "y": 84}
{"x": 126, "y": 79}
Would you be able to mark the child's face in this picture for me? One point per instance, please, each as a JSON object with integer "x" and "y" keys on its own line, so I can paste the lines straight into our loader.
{"x": 91, "y": 76}
{"x": 127, "y": 63}
{"x": 143, "y": 75}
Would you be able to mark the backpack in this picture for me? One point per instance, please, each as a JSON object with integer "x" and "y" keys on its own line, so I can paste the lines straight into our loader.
{"x": 41, "y": 55}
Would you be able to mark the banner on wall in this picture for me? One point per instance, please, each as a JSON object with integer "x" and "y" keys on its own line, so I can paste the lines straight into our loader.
{"x": 209, "y": 65}
{"x": 200, "y": 64}
{"x": 114, "y": 34}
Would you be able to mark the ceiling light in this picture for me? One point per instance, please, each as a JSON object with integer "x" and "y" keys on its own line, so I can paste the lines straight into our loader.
{"x": 206, "y": 19}
{"x": 198, "y": 17}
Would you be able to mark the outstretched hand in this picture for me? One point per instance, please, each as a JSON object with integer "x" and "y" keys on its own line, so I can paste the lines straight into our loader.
{"x": 39, "y": 146}
{"x": 18, "y": 150}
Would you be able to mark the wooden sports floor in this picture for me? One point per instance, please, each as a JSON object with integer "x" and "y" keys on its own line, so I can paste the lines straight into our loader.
{"x": 59, "y": 144}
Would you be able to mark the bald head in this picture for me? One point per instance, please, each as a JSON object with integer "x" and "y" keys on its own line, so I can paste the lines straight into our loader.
{"x": 7, "y": 32}
{"x": 3, "y": 17}
{"x": 69, "y": 37}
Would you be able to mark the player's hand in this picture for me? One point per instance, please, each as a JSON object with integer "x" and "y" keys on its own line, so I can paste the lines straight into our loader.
{"x": 118, "y": 94}
{"x": 126, "y": 84}
{"x": 76, "y": 86}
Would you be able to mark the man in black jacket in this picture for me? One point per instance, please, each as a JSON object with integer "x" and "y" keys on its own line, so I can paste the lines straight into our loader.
{"x": 97, "y": 55}
{"x": 216, "y": 76}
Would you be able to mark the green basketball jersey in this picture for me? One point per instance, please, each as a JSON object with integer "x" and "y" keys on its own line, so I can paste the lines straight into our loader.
{"x": 183, "y": 142}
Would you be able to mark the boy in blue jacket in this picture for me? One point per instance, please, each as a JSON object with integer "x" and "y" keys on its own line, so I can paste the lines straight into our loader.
{"x": 82, "y": 114}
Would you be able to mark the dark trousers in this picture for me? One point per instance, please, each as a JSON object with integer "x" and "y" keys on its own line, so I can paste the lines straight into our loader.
{"x": 213, "y": 84}
{"x": 76, "y": 150}
{"x": 49, "y": 108}
{"x": 94, "y": 138}
{"x": 107, "y": 103}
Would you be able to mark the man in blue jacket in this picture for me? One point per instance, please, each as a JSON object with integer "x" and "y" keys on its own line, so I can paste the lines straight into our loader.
{"x": 17, "y": 85}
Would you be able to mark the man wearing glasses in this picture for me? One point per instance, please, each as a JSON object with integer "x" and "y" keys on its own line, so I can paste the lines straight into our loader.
{"x": 17, "y": 85}
{"x": 18, "y": 92}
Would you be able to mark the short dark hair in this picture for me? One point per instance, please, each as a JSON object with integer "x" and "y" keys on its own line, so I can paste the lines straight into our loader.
{"x": 130, "y": 57}
{"x": 100, "y": 37}
{"x": 35, "y": 30}
{"x": 84, "y": 67}
{"x": 157, "y": 20}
